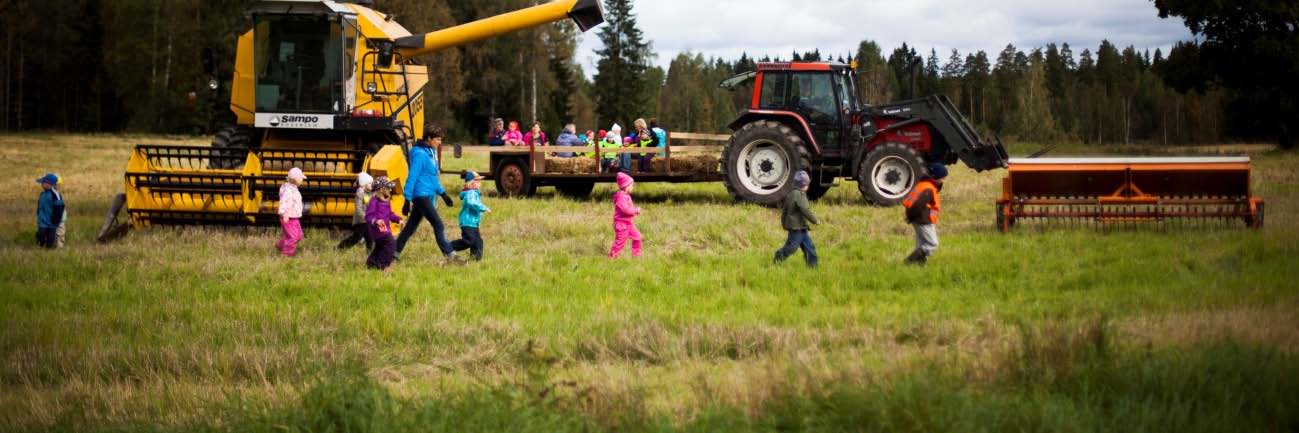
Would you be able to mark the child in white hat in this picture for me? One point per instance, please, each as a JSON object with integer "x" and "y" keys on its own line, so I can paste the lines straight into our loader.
{"x": 360, "y": 230}
{"x": 290, "y": 211}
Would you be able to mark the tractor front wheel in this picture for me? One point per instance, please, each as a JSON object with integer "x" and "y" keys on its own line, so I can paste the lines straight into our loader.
{"x": 513, "y": 179}
{"x": 759, "y": 162}
{"x": 888, "y": 173}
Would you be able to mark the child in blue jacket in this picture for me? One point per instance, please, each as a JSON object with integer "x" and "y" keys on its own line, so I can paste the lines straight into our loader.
{"x": 471, "y": 216}
{"x": 49, "y": 212}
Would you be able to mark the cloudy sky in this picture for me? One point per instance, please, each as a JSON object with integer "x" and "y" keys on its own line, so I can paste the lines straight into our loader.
{"x": 727, "y": 28}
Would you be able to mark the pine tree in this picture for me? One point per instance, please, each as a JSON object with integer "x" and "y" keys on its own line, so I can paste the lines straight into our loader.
{"x": 621, "y": 86}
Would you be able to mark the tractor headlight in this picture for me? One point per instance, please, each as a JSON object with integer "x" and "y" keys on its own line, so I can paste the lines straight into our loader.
{"x": 371, "y": 87}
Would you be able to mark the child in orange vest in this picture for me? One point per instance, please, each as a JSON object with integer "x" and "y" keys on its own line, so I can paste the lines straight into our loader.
{"x": 923, "y": 207}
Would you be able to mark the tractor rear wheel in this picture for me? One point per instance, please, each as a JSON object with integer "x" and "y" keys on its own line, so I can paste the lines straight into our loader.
{"x": 230, "y": 146}
{"x": 513, "y": 179}
{"x": 759, "y": 162}
{"x": 888, "y": 173}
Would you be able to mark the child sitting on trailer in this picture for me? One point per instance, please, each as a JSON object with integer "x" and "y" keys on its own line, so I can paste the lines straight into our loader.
{"x": 379, "y": 218}
{"x": 923, "y": 206}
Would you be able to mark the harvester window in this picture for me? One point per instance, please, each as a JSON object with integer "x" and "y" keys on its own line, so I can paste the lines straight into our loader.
{"x": 298, "y": 60}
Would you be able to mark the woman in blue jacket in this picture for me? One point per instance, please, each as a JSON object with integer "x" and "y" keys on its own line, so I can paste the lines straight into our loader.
{"x": 422, "y": 185}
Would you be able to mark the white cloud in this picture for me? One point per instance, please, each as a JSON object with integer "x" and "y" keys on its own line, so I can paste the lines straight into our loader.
{"x": 727, "y": 28}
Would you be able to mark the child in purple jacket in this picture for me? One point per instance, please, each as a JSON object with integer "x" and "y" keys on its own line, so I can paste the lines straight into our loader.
{"x": 624, "y": 215}
{"x": 380, "y": 217}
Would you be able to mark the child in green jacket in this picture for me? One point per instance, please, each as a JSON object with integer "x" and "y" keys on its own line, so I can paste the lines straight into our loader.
{"x": 796, "y": 217}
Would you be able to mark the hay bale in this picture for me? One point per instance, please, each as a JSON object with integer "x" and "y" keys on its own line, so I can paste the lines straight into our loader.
{"x": 695, "y": 163}
{"x": 578, "y": 165}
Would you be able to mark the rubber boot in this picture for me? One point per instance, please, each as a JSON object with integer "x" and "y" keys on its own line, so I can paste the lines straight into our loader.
{"x": 916, "y": 258}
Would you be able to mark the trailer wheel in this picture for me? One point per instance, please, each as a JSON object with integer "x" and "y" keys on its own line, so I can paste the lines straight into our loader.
{"x": 759, "y": 162}
{"x": 513, "y": 179}
{"x": 579, "y": 190}
{"x": 230, "y": 146}
{"x": 888, "y": 174}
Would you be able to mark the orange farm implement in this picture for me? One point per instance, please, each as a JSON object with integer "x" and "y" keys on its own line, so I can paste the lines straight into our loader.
{"x": 1128, "y": 190}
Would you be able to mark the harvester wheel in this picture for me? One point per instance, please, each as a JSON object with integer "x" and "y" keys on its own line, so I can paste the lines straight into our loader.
{"x": 579, "y": 191}
{"x": 513, "y": 179}
{"x": 231, "y": 148}
{"x": 759, "y": 162}
{"x": 111, "y": 229}
{"x": 887, "y": 174}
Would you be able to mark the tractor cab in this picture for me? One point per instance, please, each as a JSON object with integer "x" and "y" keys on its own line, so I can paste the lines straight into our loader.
{"x": 823, "y": 95}
{"x": 304, "y": 61}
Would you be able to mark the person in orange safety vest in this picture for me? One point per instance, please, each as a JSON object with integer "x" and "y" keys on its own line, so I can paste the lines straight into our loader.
{"x": 923, "y": 207}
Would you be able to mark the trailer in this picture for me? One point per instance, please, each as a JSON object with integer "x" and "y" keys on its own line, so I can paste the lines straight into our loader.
{"x": 519, "y": 171}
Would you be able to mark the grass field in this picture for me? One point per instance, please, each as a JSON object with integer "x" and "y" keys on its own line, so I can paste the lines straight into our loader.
{"x": 1051, "y": 328}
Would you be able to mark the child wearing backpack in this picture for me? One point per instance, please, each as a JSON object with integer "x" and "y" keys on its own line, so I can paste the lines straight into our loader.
{"x": 49, "y": 212}
{"x": 471, "y": 216}
{"x": 923, "y": 206}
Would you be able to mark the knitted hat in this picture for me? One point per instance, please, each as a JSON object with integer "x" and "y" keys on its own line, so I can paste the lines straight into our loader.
{"x": 624, "y": 180}
{"x": 364, "y": 179}
{"x": 382, "y": 182}
{"x": 296, "y": 174}
{"x": 801, "y": 179}
{"x": 937, "y": 171}
{"x": 616, "y": 129}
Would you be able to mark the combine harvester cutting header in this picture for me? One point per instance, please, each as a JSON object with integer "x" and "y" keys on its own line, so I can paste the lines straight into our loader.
{"x": 327, "y": 86}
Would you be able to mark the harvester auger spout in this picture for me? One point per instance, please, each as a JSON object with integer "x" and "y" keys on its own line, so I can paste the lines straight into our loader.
{"x": 330, "y": 87}
{"x": 585, "y": 13}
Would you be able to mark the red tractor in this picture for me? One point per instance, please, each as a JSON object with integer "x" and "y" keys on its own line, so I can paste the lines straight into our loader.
{"x": 806, "y": 116}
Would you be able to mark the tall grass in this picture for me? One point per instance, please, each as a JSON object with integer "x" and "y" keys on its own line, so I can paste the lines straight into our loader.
{"x": 180, "y": 329}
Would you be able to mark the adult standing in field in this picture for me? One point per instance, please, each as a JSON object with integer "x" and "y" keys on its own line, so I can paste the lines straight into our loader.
{"x": 422, "y": 185}
{"x": 568, "y": 137}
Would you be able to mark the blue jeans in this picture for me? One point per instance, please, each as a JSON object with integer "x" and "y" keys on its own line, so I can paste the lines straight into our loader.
{"x": 422, "y": 208}
{"x": 798, "y": 239}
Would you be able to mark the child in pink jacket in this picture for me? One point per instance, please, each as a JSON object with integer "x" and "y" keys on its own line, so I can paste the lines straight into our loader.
{"x": 290, "y": 213}
{"x": 624, "y": 214}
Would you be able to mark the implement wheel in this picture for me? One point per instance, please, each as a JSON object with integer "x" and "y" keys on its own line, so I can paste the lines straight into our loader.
{"x": 513, "y": 179}
{"x": 231, "y": 145}
{"x": 759, "y": 162}
{"x": 888, "y": 173}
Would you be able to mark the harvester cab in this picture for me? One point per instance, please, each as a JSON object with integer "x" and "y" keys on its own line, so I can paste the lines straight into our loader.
{"x": 331, "y": 87}
{"x": 807, "y": 116}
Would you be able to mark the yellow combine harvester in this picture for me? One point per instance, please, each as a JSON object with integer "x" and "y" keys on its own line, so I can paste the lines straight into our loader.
{"x": 327, "y": 86}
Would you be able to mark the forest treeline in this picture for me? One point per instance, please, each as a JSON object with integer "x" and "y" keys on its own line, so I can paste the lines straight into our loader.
{"x": 136, "y": 65}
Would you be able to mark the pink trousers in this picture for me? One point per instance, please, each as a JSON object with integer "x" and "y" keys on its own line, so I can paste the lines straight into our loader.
{"x": 622, "y": 232}
{"x": 288, "y": 244}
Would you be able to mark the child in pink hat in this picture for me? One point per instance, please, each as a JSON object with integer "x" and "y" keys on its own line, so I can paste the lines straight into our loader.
{"x": 624, "y": 215}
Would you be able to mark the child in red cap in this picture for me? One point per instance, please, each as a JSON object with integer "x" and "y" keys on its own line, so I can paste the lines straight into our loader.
{"x": 624, "y": 215}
